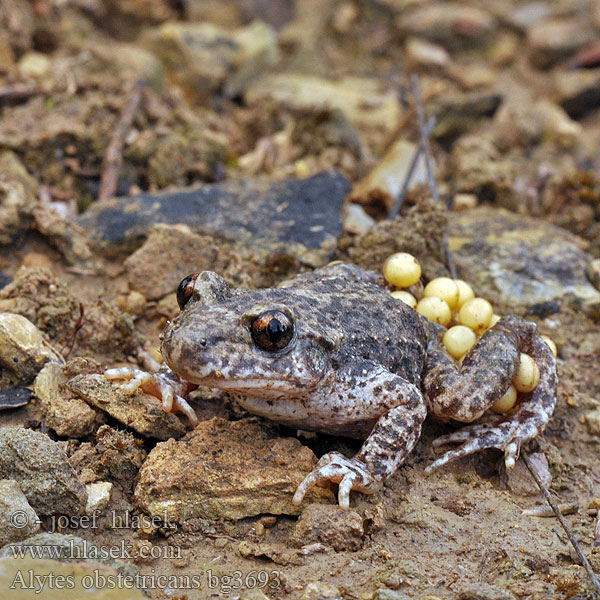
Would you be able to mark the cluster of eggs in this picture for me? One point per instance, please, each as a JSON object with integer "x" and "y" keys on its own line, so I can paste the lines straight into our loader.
{"x": 452, "y": 303}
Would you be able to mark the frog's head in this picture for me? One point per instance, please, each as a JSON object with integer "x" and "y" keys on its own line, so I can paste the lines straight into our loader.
{"x": 267, "y": 342}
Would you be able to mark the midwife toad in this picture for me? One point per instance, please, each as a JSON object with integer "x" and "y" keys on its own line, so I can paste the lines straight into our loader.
{"x": 332, "y": 351}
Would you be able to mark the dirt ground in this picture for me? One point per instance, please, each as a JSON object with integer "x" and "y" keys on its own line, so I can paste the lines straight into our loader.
{"x": 515, "y": 89}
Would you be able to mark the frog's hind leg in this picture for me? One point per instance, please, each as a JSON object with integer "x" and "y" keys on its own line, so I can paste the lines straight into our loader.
{"x": 391, "y": 440}
{"x": 486, "y": 374}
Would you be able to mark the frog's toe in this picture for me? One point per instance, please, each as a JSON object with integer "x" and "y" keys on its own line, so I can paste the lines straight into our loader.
{"x": 348, "y": 473}
{"x": 181, "y": 405}
{"x": 480, "y": 437}
{"x": 135, "y": 378}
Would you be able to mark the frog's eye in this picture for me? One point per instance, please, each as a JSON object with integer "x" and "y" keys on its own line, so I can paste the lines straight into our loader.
{"x": 272, "y": 330}
{"x": 185, "y": 289}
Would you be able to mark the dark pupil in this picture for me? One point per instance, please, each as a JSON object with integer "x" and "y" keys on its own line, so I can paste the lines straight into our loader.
{"x": 272, "y": 330}
{"x": 275, "y": 329}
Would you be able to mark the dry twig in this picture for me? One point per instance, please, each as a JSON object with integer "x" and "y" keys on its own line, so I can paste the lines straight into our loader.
{"x": 424, "y": 137}
{"x": 411, "y": 171}
{"x": 562, "y": 521}
{"x": 114, "y": 153}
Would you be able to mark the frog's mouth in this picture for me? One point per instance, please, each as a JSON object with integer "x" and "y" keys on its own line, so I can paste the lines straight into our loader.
{"x": 259, "y": 386}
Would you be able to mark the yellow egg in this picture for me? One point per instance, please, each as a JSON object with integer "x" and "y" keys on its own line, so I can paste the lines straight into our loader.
{"x": 401, "y": 269}
{"x": 476, "y": 314}
{"x": 506, "y": 402}
{"x": 444, "y": 288}
{"x": 405, "y": 297}
{"x": 459, "y": 340}
{"x": 552, "y": 345}
{"x": 465, "y": 292}
{"x": 435, "y": 309}
{"x": 528, "y": 375}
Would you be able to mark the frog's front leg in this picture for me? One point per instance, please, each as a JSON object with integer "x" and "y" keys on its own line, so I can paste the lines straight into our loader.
{"x": 465, "y": 393}
{"x": 164, "y": 384}
{"x": 391, "y": 440}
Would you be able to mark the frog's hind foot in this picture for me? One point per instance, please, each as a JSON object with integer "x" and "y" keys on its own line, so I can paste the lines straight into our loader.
{"x": 509, "y": 433}
{"x": 504, "y": 436}
{"x": 164, "y": 385}
{"x": 349, "y": 473}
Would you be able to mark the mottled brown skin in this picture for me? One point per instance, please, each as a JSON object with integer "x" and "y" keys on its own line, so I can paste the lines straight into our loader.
{"x": 360, "y": 364}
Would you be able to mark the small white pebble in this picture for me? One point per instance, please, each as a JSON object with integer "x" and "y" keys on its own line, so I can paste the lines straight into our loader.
{"x": 459, "y": 340}
{"x": 528, "y": 375}
{"x": 444, "y": 288}
{"x": 401, "y": 269}
{"x": 435, "y": 309}
{"x": 405, "y": 297}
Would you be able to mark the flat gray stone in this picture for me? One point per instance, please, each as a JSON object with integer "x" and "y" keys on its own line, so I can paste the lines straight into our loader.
{"x": 300, "y": 218}
{"x": 521, "y": 262}
{"x": 42, "y": 469}
{"x": 17, "y": 519}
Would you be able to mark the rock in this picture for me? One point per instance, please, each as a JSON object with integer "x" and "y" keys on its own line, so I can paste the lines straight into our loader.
{"x": 385, "y": 181}
{"x": 116, "y": 454}
{"x": 330, "y": 525}
{"x": 593, "y": 273}
{"x": 142, "y": 412}
{"x": 34, "y": 64}
{"x": 578, "y": 91}
{"x": 356, "y": 220}
{"x": 17, "y": 519}
{"x": 525, "y": 16}
{"x": 300, "y": 224}
{"x": 423, "y": 54}
{"x": 43, "y": 299}
{"x": 319, "y": 590}
{"x": 169, "y": 254}
{"x": 387, "y": 594}
{"x": 63, "y": 234}
{"x": 76, "y": 553}
{"x": 42, "y": 469}
{"x": 520, "y": 481}
{"x": 458, "y": 113}
{"x": 592, "y": 421}
{"x": 523, "y": 123}
{"x": 14, "y": 397}
{"x": 88, "y": 581}
{"x": 462, "y": 202}
{"x": 223, "y": 469}
{"x": 253, "y": 594}
{"x": 236, "y": 12}
{"x": 98, "y": 496}
{"x": 205, "y": 58}
{"x": 17, "y": 23}
{"x": 418, "y": 231}
{"x": 479, "y": 168}
{"x": 556, "y": 40}
{"x": 4, "y": 279}
{"x": 23, "y": 350}
{"x": 453, "y": 25}
{"x": 364, "y": 101}
{"x": 18, "y": 196}
{"x": 66, "y": 414}
{"x": 519, "y": 261}
{"x": 134, "y": 303}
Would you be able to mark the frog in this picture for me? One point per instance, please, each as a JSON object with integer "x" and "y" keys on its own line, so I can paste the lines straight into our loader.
{"x": 332, "y": 351}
